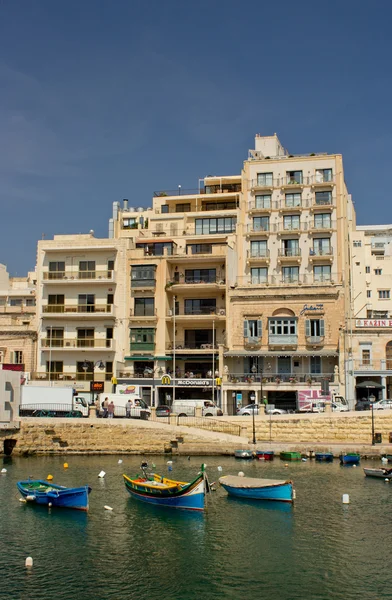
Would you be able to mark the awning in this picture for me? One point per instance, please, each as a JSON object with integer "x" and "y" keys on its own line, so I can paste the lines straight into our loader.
{"x": 240, "y": 353}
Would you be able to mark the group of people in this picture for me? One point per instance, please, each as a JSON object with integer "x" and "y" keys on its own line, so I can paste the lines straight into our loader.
{"x": 108, "y": 408}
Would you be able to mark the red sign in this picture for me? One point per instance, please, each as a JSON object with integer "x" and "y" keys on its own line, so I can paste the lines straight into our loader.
{"x": 10, "y": 367}
{"x": 97, "y": 386}
{"x": 374, "y": 323}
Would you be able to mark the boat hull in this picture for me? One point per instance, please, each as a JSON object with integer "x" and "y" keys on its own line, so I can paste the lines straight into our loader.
{"x": 280, "y": 492}
{"x": 380, "y": 473}
{"x": 56, "y": 495}
{"x": 290, "y": 456}
{"x": 349, "y": 459}
{"x": 265, "y": 455}
{"x": 244, "y": 454}
{"x": 324, "y": 457}
{"x": 190, "y": 497}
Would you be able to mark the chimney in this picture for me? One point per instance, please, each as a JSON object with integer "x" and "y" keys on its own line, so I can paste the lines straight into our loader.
{"x": 125, "y": 204}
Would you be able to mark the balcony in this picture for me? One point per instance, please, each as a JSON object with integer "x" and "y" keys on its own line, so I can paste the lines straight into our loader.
{"x": 199, "y": 252}
{"x": 292, "y": 183}
{"x": 143, "y": 284}
{"x": 262, "y": 230}
{"x": 71, "y": 376}
{"x": 279, "y": 378}
{"x": 295, "y": 280}
{"x": 322, "y": 180}
{"x": 316, "y": 227}
{"x": 83, "y": 310}
{"x": 285, "y": 208}
{"x": 199, "y": 314}
{"x": 134, "y": 316}
{"x": 252, "y": 342}
{"x": 256, "y": 207}
{"x": 378, "y": 248}
{"x": 367, "y": 365}
{"x": 283, "y": 340}
{"x": 296, "y": 228}
{"x": 259, "y": 185}
{"x": 321, "y": 205}
{"x": 258, "y": 256}
{"x": 75, "y": 343}
{"x": 321, "y": 254}
{"x": 315, "y": 340}
{"x": 291, "y": 255}
{"x": 142, "y": 346}
{"x": 102, "y": 276}
{"x": 182, "y": 345}
{"x": 205, "y": 190}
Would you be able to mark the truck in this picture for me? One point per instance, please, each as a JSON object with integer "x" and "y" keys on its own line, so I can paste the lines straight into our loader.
{"x": 45, "y": 401}
{"x": 312, "y": 400}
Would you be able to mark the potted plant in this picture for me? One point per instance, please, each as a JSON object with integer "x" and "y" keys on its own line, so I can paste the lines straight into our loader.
{"x": 309, "y": 380}
{"x": 293, "y": 380}
{"x": 277, "y": 380}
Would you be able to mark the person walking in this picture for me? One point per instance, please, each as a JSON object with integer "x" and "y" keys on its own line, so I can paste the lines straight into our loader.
{"x": 114, "y": 384}
{"x": 128, "y": 407}
{"x": 105, "y": 405}
{"x": 97, "y": 406}
{"x": 111, "y": 410}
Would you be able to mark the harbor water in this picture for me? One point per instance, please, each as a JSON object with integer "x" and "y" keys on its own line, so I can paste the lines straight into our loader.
{"x": 317, "y": 549}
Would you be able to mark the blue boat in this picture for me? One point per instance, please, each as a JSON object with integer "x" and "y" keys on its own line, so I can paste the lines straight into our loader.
{"x": 352, "y": 458}
{"x": 246, "y": 454}
{"x": 324, "y": 457}
{"x": 155, "y": 489}
{"x": 42, "y": 492}
{"x": 258, "y": 489}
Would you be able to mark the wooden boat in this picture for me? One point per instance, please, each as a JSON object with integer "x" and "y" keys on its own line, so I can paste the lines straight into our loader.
{"x": 290, "y": 455}
{"x": 388, "y": 457}
{"x": 351, "y": 458}
{"x": 324, "y": 457}
{"x": 155, "y": 489}
{"x": 43, "y": 492}
{"x": 243, "y": 454}
{"x": 265, "y": 454}
{"x": 258, "y": 489}
{"x": 382, "y": 473}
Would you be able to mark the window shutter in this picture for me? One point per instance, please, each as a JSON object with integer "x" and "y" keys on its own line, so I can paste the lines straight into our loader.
{"x": 322, "y": 328}
{"x": 246, "y": 329}
{"x": 307, "y": 328}
{"x": 259, "y": 330}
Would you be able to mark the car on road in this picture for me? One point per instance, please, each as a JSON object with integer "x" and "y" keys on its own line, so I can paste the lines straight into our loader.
{"x": 163, "y": 410}
{"x": 382, "y": 405}
{"x": 248, "y": 410}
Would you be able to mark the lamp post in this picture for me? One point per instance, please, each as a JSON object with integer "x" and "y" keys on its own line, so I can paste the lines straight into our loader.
{"x": 254, "y": 370}
{"x": 372, "y": 399}
{"x": 100, "y": 365}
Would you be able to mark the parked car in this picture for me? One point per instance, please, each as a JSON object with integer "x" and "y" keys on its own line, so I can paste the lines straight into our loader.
{"x": 275, "y": 411}
{"x": 382, "y": 405}
{"x": 163, "y": 410}
{"x": 248, "y": 410}
{"x": 363, "y": 405}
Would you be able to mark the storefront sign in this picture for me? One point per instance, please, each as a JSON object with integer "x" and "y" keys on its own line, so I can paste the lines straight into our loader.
{"x": 97, "y": 386}
{"x": 312, "y": 308}
{"x": 374, "y": 323}
{"x": 194, "y": 382}
{"x": 166, "y": 380}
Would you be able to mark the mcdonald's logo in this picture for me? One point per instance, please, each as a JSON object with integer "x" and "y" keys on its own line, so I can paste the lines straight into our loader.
{"x": 166, "y": 380}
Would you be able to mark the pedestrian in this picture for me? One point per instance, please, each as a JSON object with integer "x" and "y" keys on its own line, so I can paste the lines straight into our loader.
{"x": 111, "y": 410}
{"x": 97, "y": 406}
{"x": 128, "y": 407}
{"x": 105, "y": 405}
{"x": 114, "y": 384}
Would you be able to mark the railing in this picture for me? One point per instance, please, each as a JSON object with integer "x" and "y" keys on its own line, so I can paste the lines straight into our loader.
{"x": 210, "y": 424}
{"x": 266, "y": 183}
{"x": 258, "y": 253}
{"x": 314, "y": 339}
{"x": 281, "y": 280}
{"x": 209, "y": 250}
{"x": 22, "y": 308}
{"x": 196, "y": 280}
{"x": 261, "y": 229}
{"x": 81, "y": 308}
{"x": 207, "y": 207}
{"x": 289, "y": 252}
{"x": 228, "y": 188}
{"x": 254, "y": 205}
{"x": 76, "y": 343}
{"x": 184, "y": 345}
{"x": 142, "y": 283}
{"x": 322, "y": 226}
{"x": 147, "y": 314}
{"x": 276, "y": 378}
{"x": 283, "y": 340}
{"x": 78, "y": 275}
{"x": 68, "y": 376}
{"x": 289, "y": 227}
{"x": 320, "y": 251}
{"x": 317, "y": 179}
{"x": 322, "y": 203}
{"x": 373, "y": 365}
{"x": 200, "y": 311}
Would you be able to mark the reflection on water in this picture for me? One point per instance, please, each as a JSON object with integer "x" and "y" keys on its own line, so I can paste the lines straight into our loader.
{"x": 239, "y": 549}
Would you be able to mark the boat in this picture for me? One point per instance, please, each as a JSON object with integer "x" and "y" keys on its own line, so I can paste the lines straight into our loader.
{"x": 161, "y": 491}
{"x": 290, "y": 455}
{"x": 243, "y": 454}
{"x": 351, "y": 458}
{"x": 324, "y": 457}
{"x": 388, "y": 457}
{"x": 382, "y": 473}
{"x": 258, "y": 489}
{"x": 265, "y": 454}
{"x": 43, "y": 492}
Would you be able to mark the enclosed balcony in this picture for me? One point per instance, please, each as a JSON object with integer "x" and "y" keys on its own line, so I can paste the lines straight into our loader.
{"x": 283, "y": 340}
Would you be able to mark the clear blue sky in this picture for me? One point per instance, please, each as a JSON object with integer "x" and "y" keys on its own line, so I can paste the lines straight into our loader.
{"x": 104, "y": 100}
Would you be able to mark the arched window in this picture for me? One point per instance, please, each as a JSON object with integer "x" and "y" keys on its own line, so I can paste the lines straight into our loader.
{"x": 388, "y": 355}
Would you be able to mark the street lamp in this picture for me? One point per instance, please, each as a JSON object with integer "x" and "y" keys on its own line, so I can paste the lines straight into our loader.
{"x": 90, "y": 364}
{"x": 254, "y": 370}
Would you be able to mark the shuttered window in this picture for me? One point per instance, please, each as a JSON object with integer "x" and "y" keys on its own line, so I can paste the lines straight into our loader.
{"x": 252, "y": 329}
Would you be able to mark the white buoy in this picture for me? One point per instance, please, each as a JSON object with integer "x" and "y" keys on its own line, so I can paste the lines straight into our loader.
{"x": 29, "y": 562}
{"x": 304, "y": 459}
{"x": 386, "y": 479}
{"x": 219, "y": 468}
{"x": 50, "y": 504}
{"x": 108, "y": 508}
{"x": 22, "y": 500}
{"x": 169, "y": 462}
{"x": 346, "y": 499}
{"x": 354, "y": 465}
{"x": 120, "y": 461}
{"x": 102, "y": 474}
{"x": 241, "y": 474}
{"x": 3, "y": 471}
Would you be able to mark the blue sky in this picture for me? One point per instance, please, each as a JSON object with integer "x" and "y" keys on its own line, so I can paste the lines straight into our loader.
{"x": 107, "y": 100}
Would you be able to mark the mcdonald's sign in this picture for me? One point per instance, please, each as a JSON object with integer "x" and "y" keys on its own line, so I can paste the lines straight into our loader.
{"x": 166, "y": 380}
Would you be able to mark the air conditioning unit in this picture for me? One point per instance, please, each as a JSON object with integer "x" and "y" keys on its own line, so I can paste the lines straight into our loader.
{"x": 170, "y": 313}
{"x": 222, "y": 311}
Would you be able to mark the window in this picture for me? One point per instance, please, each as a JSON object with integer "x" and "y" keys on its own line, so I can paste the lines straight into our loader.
{"x": 263, "y": 201}
{"x": 314, "y": 328}
{"x": 56, "y": 270}
{"x": 291, "y": 222}
{"x": 258, "y": 249}
{"x": 87, "y": 269}
{"x": 30, "y": 301}
{"x": 144, "y": 307}
{"x": 200, "y": 275}
{"x": 384, "y": 294}
{"x": 215, "y": 206}
{"x": 293, "y": 177}
{"x": 180, "y": 208}
{"x": 323, "y": 198}
{"x": 55, "y": 337}
{"x": 322, "y": 273}
{"x": 290, "y": 248}
{"x": 368, "y": 293}
{"x": 323, "y": 175}
{"x": 357, "y": 243}
{"x": 55, "y": 303}
{"x": 321, "y": 247}
{"x": 261, "y": 224}
{"x": 378, "y": 271}
{"x": 252, "y": 329}
{"x": 86, "y": 302}
{"x": 164, "y": 208}
{"x": 110, "y": 268}
{"x": 54, "y": 367}
{"x": 212, "y": 226}
{"x": 130, "y": 223}
{"x": 85, "y": 338}
{"x": 265, "y": 179}
{"x": 367, "y": 269}
{"x": 322, "y": 221}
{"x": 315, "y": 365}
{"x": 293, "y": 200}
{"x": 15, "y": 301}
{"x": 143, "y": 275}
{"x": 365, "y": 356}
{"x": 142, "y": 338}
{"x": 203, "y": 306}
{"x": 290, "y": 274}
{"x": 199, "y": 249}
{"x": 18, "y": 357}
{"x": 259, "y": 275}
{"x": 282, "y": 326}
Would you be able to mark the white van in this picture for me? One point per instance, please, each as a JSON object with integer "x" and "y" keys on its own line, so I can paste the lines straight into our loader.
{"x": 187, "y": 408}
{"x": 120, "y": 400}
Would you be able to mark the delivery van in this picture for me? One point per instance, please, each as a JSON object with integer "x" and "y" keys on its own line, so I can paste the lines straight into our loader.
{"x": 139, "y": 408}
{"x": 187, "y": 408}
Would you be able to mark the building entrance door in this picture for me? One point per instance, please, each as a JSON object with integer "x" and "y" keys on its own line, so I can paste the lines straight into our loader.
{"x": 284, "y": 365}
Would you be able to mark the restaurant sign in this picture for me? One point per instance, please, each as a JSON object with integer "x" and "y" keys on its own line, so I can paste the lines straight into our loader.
{"x": 194, "y": 382}
{"x": 373, "y": 323}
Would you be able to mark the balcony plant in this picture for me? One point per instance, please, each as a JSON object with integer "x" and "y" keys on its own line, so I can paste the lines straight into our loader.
{"x": 309, "y": 380}
{"x": 293, "y": 380}
{"x": 277, "y": 380}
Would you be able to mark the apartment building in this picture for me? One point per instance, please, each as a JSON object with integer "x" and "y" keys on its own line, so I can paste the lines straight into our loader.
{"x": 82, "y": 305}
{"x": 370, "y": 335}
{"x": 245, "y": 277}
{"x": 17, "y": 320}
